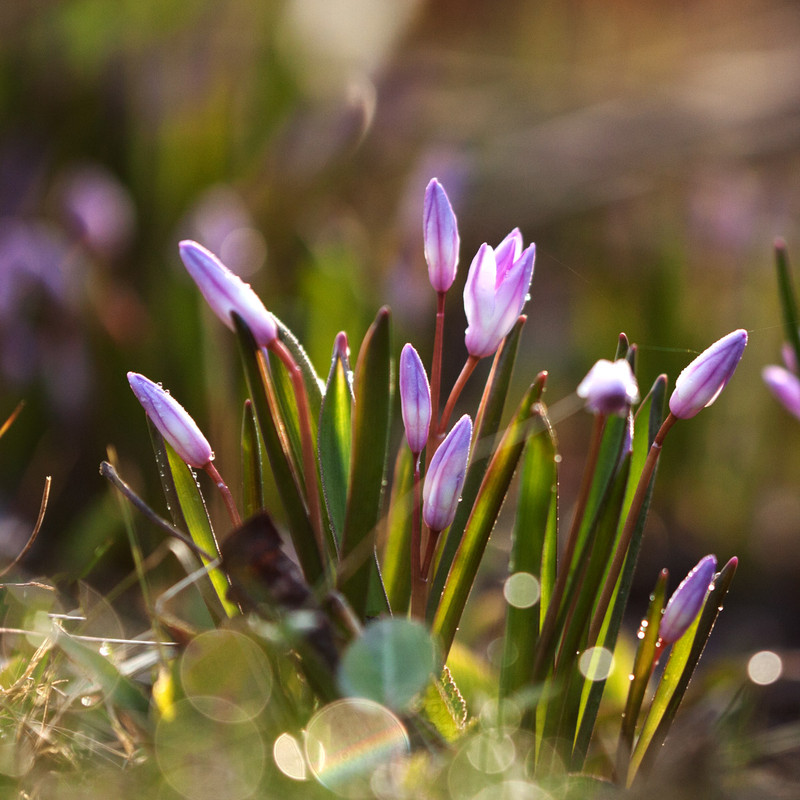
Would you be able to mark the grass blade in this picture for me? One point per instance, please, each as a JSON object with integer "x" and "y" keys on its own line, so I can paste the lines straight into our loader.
{"x": 487, "y": 424}
{"x": 252, "y": 463}
{"x": 370, "y": 440}
{"x": 335, "y": 426}
{"x": 396, "y": 563}
{"x": 537, "y": 492}
{"x": 198, "y": 524}
{"x": 300, "y": 528}
{"x": 482, "y": 519}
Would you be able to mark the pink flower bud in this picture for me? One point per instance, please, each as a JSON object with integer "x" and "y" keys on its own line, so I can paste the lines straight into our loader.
{"x": 445, "y": 477}
{"x": 687, "y": 600}
{"x": 415, "y": 399}
{"x": 495, "y": 292}
{"x": 701, "y": 382}
{"x": 227, "y": 293}
{"x": 172, "y": 421}
{"x": 785, "y": 386}
{"x": 440, "y": 235}
{"x": 609, "y": 388}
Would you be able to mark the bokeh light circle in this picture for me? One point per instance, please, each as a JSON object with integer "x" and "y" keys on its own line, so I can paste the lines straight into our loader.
{"x": 346, "y": 741}
{"x": 512, "y": 790}
{"x": 522, "y": 590}
{"x": 764, "y": 667}
{"x": 226, "y": 676}
{"x": 288, "y": 757}
{"x": 203, "y": 759}
{"x": 596, "y": 663}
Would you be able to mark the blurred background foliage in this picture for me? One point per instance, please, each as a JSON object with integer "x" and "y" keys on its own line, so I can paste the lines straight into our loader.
{"x": 650, "y": 149}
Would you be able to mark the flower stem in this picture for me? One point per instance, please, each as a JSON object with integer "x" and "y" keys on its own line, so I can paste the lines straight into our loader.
{"x": 418, "y": 584}
{"x": 438, "y": 343}
{"x": 309, "y": 461}
{"x": 468, "y": 369}
{"x": 230, "y": 505}
{"x": 628, "y": 530}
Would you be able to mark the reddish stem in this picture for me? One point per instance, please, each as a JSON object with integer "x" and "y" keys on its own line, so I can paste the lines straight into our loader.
{"x": 309, "y": 460}
{"x": 230, "y": 505}
{"x": 468, "y": 369}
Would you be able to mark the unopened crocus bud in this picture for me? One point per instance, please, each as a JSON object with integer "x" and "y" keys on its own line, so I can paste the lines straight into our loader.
{"x": 495, "y": 292}
{"x": 227, "y": 293}
{"x": 172, "y": 421}
{"x": 687, "y": 600}
{"x": 440, "y": 237}
{"x": 445, "y": 477}
{"x": 415, "y": 399}
{"x": 609, "y": 388}
{"x": 785, "y": 386}
{"x": 701, "y": 382}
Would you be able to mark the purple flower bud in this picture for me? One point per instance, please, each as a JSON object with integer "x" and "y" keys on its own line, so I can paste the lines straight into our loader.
{"x": 415, "y": 399}
{"x": 445, "y": 477}
{"x": 495, "y": 293}
{"x": 701, "y": 382}
{"x": 172, "y": 421}
{"x": 440, "y": 235}
{"x": 785, "y": 386}
{"x": 609, "y": 388}
{"x": 226, "y": 293}
{"x": 687, "y": 600}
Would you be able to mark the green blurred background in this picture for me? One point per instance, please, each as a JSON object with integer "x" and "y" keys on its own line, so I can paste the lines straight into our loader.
{"x": 651, "y": 150}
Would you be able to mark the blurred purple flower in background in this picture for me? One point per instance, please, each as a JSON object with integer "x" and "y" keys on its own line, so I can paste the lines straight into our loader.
{"x": 785, "y": 386}
{"x": 101, "y": 209}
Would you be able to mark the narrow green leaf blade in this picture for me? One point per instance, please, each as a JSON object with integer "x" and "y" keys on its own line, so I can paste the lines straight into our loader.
{"x": 487, "y": 424}
{"x": 194, "y": 511}
{"x": 396, "y": 561}
{"x": 788, "y": 298}
{"x": 538, "y": 486}
{"x": 300, "y": 527}
{"x": 642, "y": 670}
{"x": 370, "y": 439}
{"x": 252, "y": 463}
{"x": 335, "y": 426}
{"x": 481, "y": 521}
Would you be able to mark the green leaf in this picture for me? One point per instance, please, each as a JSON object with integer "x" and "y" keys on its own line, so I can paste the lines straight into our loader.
{"x": 300, "y": 527}
{"x": 680, "y": 667}
{"x": 198, "y": 524}
{"x": 538, "y": 489}
{"x": 642, "y": 670}
{"x": 648, "y": 420}
{"x": 391, "y": 663}
{"x": 252, "y": 463}
{"x": 396, "y": 562}
{"x": 482, "y": 519}
{"x": 314, "y": 385}
{"x": 788, "y": 298}
{"x": 487, "y": 424}
{"x": 370, "y": 439}
{"x": 444, "y": 707}
{"x": 334, "y": 439}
